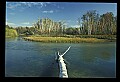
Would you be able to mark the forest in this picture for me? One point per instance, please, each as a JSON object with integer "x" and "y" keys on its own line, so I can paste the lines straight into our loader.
{"x": 91, "y": 23}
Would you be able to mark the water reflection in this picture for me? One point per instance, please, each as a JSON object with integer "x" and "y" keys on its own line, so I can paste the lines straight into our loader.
{"x": 11, "y": 39}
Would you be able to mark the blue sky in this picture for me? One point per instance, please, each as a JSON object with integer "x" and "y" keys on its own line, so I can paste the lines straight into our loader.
{"x": 27, "y": 13}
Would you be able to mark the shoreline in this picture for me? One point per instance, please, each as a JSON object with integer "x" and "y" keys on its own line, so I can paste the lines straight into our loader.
{"x": 65, "y": 40}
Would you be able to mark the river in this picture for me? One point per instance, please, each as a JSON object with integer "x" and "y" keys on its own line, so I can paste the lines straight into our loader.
{"x": 36, "y": 59}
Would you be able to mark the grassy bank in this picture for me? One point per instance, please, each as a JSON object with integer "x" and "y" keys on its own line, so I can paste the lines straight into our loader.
{"x": 109, "y": 37}
{"x": 10, "y": 33}
{"x": 64, "y": 39}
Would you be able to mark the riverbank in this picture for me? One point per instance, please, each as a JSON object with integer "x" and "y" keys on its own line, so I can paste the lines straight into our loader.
{"x": 65, "y": 39}
{"x": 10, "y": 33}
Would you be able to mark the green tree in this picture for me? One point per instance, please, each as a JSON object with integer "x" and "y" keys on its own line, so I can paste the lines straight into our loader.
{"x": 10, "y": 32}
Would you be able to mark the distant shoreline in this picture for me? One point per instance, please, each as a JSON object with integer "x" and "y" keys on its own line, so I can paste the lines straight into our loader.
{"x": 65, "y": 39}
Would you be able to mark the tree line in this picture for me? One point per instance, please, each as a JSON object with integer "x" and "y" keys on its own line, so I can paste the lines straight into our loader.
{"x": 91, "y": 23}
{"x": 44, "y": 26}
{"x": 49, "y": 26}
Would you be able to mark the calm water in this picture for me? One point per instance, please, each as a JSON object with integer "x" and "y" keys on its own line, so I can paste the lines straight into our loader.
{"x": 37, "y": 59}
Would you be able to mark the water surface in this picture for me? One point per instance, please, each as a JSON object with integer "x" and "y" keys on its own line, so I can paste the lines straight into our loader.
{"x": 25, "y": 58}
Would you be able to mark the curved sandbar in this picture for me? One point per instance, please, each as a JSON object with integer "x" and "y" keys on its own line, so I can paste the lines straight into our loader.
{"x": 64, "y": 40}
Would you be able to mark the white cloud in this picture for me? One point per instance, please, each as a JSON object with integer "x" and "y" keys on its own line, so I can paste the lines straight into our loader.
{"x": 13, "y": 5}
{"x": 26, "y": 23}
{"x": 10, "y": 23}
{"x": 51, "y": 11}
{"x": 30, "y": 26}
{"x": 74, "y": 26}
{"x": 16, "y": 25}
{"x": 71, "y": 21}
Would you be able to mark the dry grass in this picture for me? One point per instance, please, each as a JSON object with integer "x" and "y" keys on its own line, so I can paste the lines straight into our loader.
{"x": 64, "y": 39}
